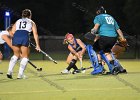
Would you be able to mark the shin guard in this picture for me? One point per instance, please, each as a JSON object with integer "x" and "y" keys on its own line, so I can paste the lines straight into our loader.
{"x": 111, "y": 66}
{"x": 72, "y": 64}
{"x": 93, "y": 57}
{"x": 98, "y": 68}
{"x": 117, "y": 63}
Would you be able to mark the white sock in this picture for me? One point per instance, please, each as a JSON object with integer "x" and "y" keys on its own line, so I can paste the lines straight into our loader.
{"x": 23, "y": 64}
{"x": 12, "y": 63}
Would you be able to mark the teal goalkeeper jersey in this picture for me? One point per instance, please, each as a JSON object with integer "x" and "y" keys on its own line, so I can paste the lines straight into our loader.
{"x": 108, "y": 25}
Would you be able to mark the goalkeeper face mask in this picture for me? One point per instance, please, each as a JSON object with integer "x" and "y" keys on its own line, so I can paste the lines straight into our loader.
{"x": 100, "y": 10}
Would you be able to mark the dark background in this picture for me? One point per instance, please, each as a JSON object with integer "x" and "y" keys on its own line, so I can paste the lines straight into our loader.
{"x": 56, "y": 17}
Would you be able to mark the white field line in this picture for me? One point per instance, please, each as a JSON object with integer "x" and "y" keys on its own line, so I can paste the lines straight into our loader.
{"x": 67, "y": 90}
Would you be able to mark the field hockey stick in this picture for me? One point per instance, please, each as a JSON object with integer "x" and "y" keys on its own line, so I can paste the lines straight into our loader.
{"x": 87, "y": 68}
{"x": 81, "y": 63}
{"x": 1, "y": 72}
{"x": 45, "y": 54}
{"x": 38, "y": 69}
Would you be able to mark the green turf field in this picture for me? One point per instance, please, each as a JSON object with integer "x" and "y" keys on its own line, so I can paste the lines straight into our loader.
{"x": 51, "y": 85}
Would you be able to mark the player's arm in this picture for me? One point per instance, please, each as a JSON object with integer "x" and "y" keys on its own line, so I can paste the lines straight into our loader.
{"x": 95, "y": 28}
{"x": 73, "y": 51}
{"x": 97, "y": 23}
{"x": 35, "y": 34}
{"x": 82, "y": 45}
{"x": 120, "y": 34}
{"x": 13, "y": 30}
{"x": 7, "y": 40}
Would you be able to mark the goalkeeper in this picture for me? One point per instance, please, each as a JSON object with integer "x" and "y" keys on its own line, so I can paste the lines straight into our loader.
{"x": 108, "y": 30}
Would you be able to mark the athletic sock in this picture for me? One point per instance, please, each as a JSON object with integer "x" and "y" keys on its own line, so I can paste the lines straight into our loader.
{"x": 12, "y": 63}
{"x": 23, "y": 64}
{"x": 72, "y": 63}
{"x": 75, "y": 67}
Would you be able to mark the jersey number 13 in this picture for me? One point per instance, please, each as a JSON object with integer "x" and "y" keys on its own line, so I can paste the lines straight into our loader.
{"x": 22, "y": 24}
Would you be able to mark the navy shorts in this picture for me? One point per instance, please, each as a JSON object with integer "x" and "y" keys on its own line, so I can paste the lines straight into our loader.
{"x": 21, "y": 38}
{"x": 2, "y": 48}
{"x": 104, "y": 43}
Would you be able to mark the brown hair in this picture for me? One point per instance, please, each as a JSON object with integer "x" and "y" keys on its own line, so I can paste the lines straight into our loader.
{"x": 26, "y": 13}
{"x": 10, "y": 28}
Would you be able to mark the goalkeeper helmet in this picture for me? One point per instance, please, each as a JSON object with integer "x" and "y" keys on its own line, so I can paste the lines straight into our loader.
{"x": 100, "y": 10}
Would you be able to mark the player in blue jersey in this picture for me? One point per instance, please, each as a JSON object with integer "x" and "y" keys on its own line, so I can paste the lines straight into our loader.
{"x": 20, "y": 42}
{"x": 77, "y": 48}
{"x": 108, "y": 31}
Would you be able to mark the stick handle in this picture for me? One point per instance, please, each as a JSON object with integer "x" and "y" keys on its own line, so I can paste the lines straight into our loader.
{"x": 45, "y": 54}
{"x": 81, "y": 64}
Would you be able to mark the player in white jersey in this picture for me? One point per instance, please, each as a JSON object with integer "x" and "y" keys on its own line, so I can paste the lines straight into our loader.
{"x": 20, "y": 42}
{"x": 5, "y": 37}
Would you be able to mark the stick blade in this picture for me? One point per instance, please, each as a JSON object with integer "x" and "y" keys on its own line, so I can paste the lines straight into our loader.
{"x": 55, "y": 62}
{"x": 39, "y": 69}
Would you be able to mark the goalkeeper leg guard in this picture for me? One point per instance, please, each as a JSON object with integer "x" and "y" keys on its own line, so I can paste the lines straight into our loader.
{"x": 92, "y": 55}
{"x": 117, "y": 64}
{"x": 99, "y": 70}
{"x": 94, "y": 60}
{"x": 112, "y": 68}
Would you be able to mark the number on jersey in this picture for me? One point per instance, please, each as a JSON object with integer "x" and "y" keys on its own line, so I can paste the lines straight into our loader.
{"x": 109, "y": 20}
{"x": 22, "y": 24}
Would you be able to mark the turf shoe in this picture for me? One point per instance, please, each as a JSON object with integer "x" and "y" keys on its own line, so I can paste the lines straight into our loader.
{"x": 76, "y": 71}
{"x": 123, "y": 71}
{"x": 21, "y": 76}
{"x": 65, "y": 71}
{"x": 1, "y": 72}
{"x": 9, "y": 76}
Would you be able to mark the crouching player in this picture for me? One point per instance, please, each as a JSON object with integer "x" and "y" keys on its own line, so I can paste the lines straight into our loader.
{"x": 5, "y": 37}
{"x": 77, "y": 48}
